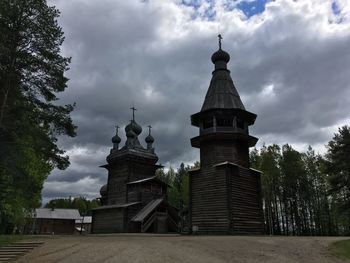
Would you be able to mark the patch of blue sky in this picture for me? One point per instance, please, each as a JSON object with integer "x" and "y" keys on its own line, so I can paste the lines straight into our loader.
{"x": 335, "y": 8}
{"x": 252, "y": 7}
{"x": 337, "y": 12}
{"x": 248, "y": 7}
{"x": 193, "y": 3}
{"x": 209, "y": 12}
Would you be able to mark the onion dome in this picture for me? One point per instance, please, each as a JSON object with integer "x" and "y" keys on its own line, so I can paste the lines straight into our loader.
{"x": 116, "y": 139}
{"x": 220, "y": 55}
{"x": 103, "y": 190}
{"x": 134, "y": 127}
{"x": 130, "y": 133}
{"x": 149, "y": 139}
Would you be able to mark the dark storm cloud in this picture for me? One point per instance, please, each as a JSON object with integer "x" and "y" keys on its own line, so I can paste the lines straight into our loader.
{"x": 290, "y": 65}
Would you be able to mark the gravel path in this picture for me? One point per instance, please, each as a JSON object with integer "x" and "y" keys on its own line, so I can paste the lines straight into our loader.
{"x": 174, "y": 248}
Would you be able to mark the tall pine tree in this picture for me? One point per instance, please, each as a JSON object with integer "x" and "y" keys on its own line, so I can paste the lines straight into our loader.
{"x": 31, "y": 74}
{"x": 338, "y": 168}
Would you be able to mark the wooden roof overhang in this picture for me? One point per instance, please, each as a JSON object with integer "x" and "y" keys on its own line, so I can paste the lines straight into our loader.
{"x": 154, "y": 179}
{"x": 247, "y": 116}
{"x": 197, "y": 170}
{"x": 125, "y": 205}
{"x": 237, "y": 165}
{"x": 130, "y": 155}
{"x": 196, "y": 141}
{"x": 107, "y": 165}
{"x": 193, "y": 170}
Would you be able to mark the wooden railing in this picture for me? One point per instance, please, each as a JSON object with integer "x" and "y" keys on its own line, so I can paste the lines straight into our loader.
{"x": 148, "y": 223}
{"x": 145, "y": 225}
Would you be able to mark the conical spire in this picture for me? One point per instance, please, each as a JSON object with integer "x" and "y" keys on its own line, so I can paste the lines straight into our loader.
{"x": 222, "y": 93}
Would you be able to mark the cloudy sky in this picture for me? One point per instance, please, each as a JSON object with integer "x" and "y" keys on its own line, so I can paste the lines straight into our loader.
{"x": 290, "y": 61}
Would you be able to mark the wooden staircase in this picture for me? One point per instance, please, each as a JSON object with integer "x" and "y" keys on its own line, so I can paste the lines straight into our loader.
{"x": 15, "y": 250}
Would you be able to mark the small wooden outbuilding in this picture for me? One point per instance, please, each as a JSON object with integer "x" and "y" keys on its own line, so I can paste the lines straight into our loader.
{"x": 53, "y": 221}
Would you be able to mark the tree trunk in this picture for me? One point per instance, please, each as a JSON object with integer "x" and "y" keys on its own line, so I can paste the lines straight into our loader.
{"x": 4, "y": 103}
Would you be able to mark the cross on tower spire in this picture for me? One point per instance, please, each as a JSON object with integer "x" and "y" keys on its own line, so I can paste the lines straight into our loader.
{"x": 117, "y": 128}
{"x": 149, "y": 129}
{"x": 220, "y": 38}
{"x": 133, "y": 112}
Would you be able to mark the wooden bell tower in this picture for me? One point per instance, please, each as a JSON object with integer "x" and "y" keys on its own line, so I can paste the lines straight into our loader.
{"x": 225, "y": 193}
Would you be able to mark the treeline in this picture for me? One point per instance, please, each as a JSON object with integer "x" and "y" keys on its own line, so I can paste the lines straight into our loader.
{"x": 81, "y": 203}
{"x": 178, "y": 180}
{"x": 305, "y": 193}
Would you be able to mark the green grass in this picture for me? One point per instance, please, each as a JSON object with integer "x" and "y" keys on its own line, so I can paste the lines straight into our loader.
{"x": 6, "y": 239}
{"x": 341, "y": 249}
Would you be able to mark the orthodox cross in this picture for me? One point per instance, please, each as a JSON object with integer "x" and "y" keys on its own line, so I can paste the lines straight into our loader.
{"x": 117, "y": 128}
{"x": 220, "y": 37}
{"x": 133, "y": 113}
{"x": 149, "y": 128}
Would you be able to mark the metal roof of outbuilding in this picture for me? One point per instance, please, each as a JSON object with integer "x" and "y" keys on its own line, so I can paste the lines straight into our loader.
{"x": 57, "y": 213}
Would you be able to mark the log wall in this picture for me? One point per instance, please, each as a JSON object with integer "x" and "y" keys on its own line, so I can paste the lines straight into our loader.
{"x": 213, "y": 152}
{"x": 225, "y": 199}
{"x": 244, "y": 195}
{"x": 108, "y": 221}
{"x": 209, "y": 201}
{"x": 117, "y": 176}
{"x": 121, "y": 173}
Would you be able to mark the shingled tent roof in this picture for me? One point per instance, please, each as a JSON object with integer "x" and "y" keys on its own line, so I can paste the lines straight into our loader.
{"x": 222, "y": 93}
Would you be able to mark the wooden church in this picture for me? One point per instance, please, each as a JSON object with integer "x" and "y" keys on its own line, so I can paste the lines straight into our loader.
{"x": 134, "y": 199}
{"x": 225, "y": 193}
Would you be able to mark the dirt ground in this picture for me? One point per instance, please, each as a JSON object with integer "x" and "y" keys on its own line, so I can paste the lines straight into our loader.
{"x": 175, "y": 248}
